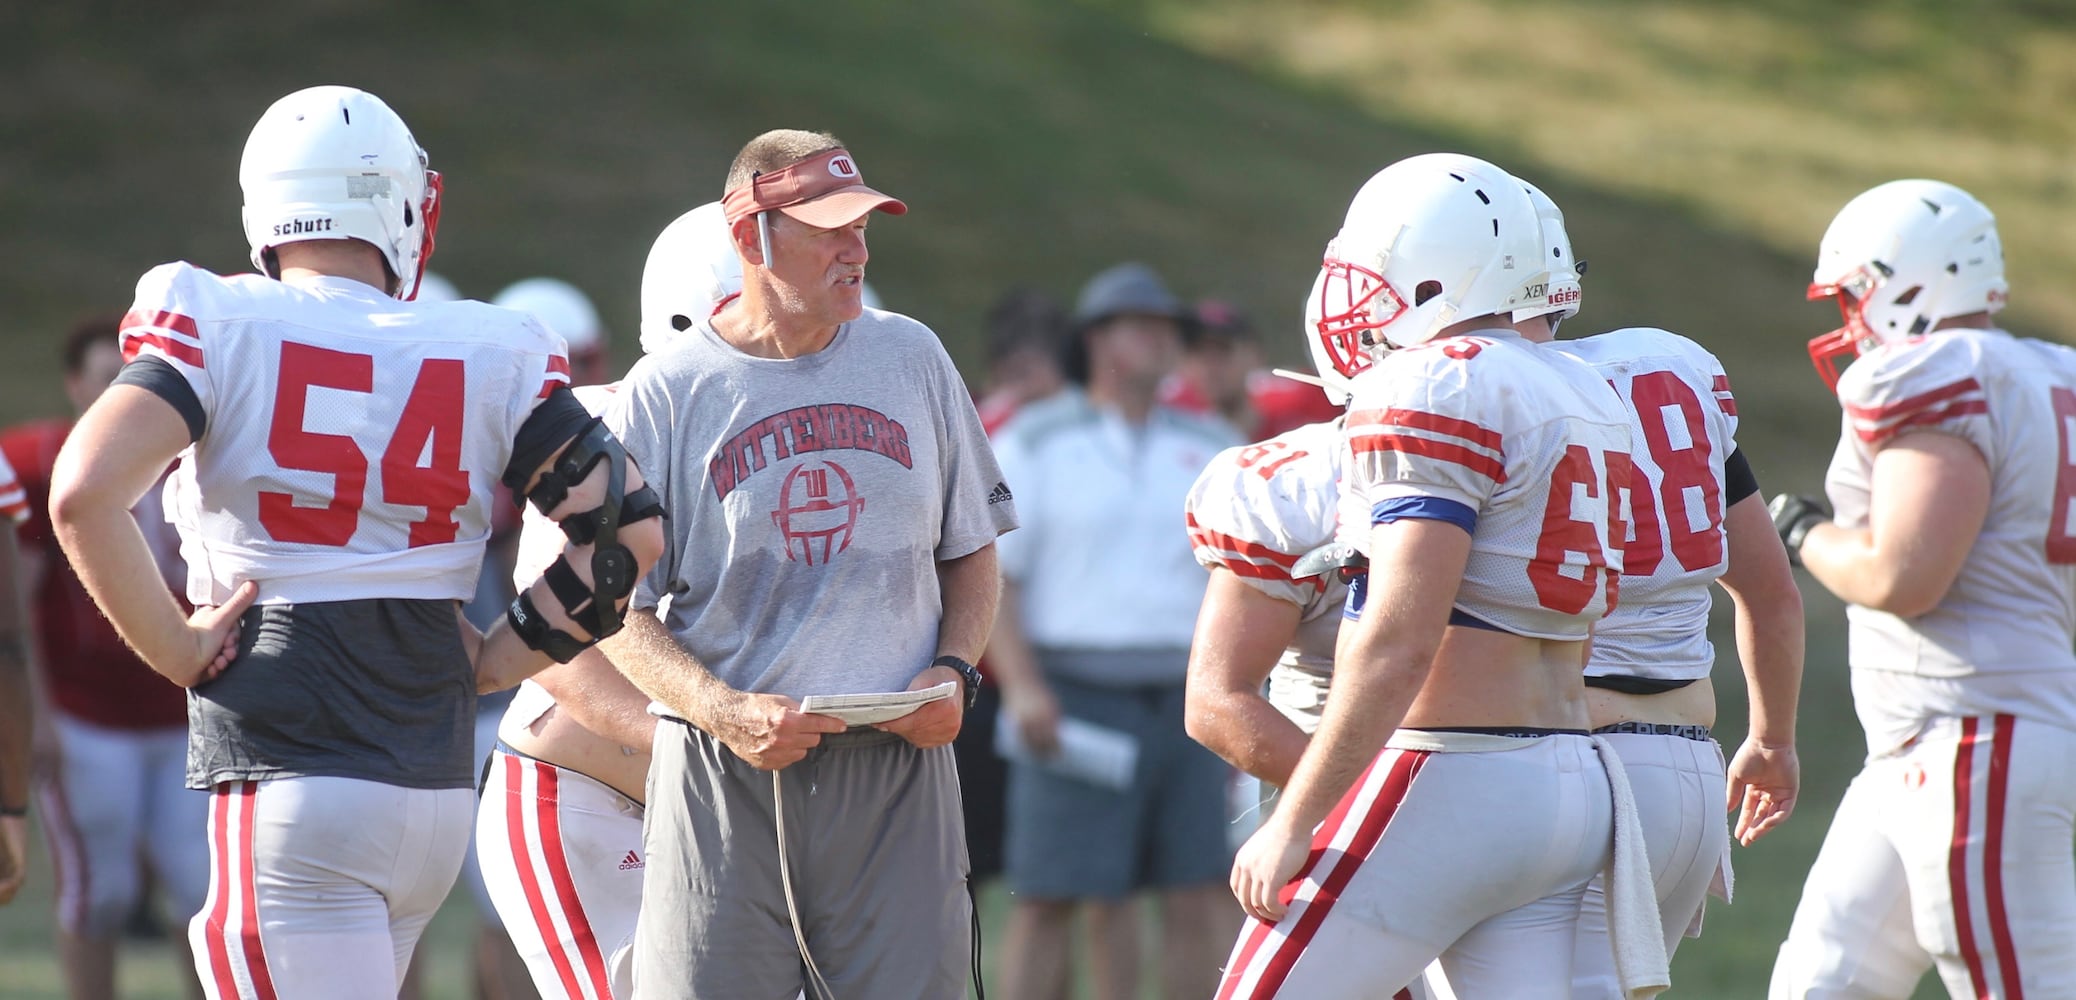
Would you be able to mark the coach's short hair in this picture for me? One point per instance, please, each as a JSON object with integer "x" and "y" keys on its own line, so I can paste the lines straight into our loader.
{"x": 776, "y": 149}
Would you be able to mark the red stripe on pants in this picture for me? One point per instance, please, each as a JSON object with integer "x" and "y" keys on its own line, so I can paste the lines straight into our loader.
{"x": 547, "y": 792}
{"x": 522, "y": 857}
{"x": 1993, "y": 857}
{"x": 1957, "y": 858}
{"x": 220, "y": 907}
{"x": 1373, "y": 822}
{"x": 249, "y": 933}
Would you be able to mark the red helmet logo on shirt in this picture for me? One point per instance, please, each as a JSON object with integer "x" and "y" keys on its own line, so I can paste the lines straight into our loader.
{"x": 817, "y": 512}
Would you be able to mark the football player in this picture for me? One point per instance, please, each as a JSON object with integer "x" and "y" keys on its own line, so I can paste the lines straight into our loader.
{"x": 338, "y": 446}
{"x": 1480, "y": 485}
{"x": 15, "y": 695}
{"x": 1954, "y": 550}
{"x": 1694, "y": 515}
{"x": 559, "y": 832}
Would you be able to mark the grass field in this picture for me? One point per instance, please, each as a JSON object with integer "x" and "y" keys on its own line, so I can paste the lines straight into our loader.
{"x": 1698, "y": 149}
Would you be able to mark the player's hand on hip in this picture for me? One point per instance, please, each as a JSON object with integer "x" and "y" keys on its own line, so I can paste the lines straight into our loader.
{"x": 1764, "y": 780}
{"x": 1036, "y": 715}
{"x": 14, "y": 855}
{"x": 936, "y": 723}
{"x": 1264, "y": 865}
{"x": 215, "y": 631}
{"x": 770, "y": 731}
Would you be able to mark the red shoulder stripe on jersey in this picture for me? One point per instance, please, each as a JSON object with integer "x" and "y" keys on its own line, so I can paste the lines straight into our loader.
{"x": 1219, "y": 540}
{"x": 1912, "y": 404}
{"x": 1725, "y": 400}
{"x": 558, "y": 374}
{"x": 1484, "y": 465}
{"x": 182, "y": 352}
{"x": 1425, "y": 421}
{"x": 1993, "y": 854}
{"x": 1957, "y": 857}
{"x": 136, "y": 330}
{"x": 1882, "y": 432}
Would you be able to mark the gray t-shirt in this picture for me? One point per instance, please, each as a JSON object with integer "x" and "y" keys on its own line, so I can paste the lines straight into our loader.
{"x": 810, "y": 502}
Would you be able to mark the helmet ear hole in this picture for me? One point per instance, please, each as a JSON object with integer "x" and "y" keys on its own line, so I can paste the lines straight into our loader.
{"x": 1909, "y": 296}
{"x": 680, "y": 322}
{"x": 409, "y": 218}
{"x": 1426, "y": 290}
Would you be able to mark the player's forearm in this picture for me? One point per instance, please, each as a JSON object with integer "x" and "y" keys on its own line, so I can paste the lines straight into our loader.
{"x": 1849, "y": 564}
{"x": 597, "y": 697}
{"x": 109, "y": 553}
{"x": 1376, "y": 677}
{"x": 502, "y": 658}
{"x": 1247, "y": 732}
{"x": 972, "y": 589}
{"x": 653, "y": 661}
{"x": 1770, "y": 646}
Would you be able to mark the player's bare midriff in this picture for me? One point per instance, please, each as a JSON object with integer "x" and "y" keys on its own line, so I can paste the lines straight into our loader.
{"x": 557, "y": 739}
{"x": 1486, "y": 678}
{"x": 1693, "y": 705}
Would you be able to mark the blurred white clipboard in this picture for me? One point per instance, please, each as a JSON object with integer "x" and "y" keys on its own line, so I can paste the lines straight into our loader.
{"x": 1093, "y": 753}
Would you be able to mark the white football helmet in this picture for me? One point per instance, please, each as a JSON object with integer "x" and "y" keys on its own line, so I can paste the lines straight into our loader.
{"x": 1900, "y": 258}
{"x": 559, "y": 306}
{"x": 692, "y": 272}
{"x": 335, "y": 163}
{"x": 1429, "y": 241}
{"x": 1562, "y": 293}
{"x": 1335, "y": 359}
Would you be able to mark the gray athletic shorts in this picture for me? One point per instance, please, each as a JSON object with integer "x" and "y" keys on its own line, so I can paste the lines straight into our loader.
{"x": 877, "y": 850}
{"x": 1070, "y": 839}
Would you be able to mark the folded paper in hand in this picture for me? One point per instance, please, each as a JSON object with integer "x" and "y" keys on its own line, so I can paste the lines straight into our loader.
{"x": 1097, "y": 754}
{"x": 875, "y": 707}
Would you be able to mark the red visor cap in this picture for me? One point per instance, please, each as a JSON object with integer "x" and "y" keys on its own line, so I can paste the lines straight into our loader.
{"x": 825, "y": 191}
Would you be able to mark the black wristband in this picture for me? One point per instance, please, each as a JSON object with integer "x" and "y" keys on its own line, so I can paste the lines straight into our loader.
{"x": 967, "y": 672}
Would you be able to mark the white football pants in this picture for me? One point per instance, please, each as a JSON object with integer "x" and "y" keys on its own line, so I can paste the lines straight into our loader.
{"x": 321, "y": 886}
{"x": 561, "y": 854}
{"x": 1954, "y": 853}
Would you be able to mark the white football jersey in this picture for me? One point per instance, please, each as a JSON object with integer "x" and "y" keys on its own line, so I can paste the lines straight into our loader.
{"x": 1531, "y": 442}
{"x": 14, "y": 504}
{"x": 1258, "y": 508}
{"x": 352, "y": 441}
{"x": 1683, "y": 427}
{"x": 2000, "y": 641}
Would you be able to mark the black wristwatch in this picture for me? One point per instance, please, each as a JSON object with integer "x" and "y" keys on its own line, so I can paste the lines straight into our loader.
{"x": 967, "y": 672}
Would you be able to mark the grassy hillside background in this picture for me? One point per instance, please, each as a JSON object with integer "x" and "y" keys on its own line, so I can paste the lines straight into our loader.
{"x": 1698, "y": 149}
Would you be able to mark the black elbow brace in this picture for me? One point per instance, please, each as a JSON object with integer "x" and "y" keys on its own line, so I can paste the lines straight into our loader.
{"x": 612, "y": 564}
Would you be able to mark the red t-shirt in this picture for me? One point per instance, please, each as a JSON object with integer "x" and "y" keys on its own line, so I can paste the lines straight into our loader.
{"x": 90, "y": 674}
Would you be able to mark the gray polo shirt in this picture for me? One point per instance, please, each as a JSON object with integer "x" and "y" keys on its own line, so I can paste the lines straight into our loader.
{"x": 810, "y": 502}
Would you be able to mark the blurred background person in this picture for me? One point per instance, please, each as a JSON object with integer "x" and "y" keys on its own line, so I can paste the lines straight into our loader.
{"x": 1223, "y": 372}
{"x": 1026, "y": 329}
{"x": 1100, "y": 596}
{"x": 17, "y": 717}
{"x": 111, "y": 773}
